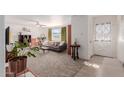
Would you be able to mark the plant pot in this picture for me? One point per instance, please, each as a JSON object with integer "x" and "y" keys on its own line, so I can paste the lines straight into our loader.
{"x": 18, "y": 64}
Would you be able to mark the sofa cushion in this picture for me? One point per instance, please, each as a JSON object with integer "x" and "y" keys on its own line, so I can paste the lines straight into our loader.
{"x": 61, "y": 43}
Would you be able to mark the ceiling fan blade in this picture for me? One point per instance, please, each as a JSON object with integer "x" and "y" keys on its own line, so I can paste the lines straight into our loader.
{"x": 43, "y": 25}
{"x": 35, "y": 22}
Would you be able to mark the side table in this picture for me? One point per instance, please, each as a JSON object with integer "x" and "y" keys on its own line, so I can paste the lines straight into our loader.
{"x": 74, "y": 51}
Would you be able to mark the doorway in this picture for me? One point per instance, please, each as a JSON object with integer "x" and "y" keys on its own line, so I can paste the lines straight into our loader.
{"x": 105, "y": 36}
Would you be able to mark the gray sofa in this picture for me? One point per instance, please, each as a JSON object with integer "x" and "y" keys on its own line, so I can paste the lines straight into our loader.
{"x": 57, "y": 46}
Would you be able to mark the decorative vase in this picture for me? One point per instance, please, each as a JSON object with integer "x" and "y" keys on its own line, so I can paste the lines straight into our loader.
{"x": 75, "y": 43}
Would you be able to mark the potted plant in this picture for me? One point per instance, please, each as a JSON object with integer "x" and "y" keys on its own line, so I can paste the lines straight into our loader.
{"x": 20, "y": 52}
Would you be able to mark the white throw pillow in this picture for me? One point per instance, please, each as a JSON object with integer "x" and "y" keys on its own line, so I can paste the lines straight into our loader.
{"x": 61, "y": 43}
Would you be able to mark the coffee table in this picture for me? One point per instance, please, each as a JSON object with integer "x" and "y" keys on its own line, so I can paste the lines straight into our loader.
{"x": 44, "y": 48}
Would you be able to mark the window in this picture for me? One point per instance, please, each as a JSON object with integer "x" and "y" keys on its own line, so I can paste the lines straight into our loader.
{"x": 56, "y": 34}
{"x": 103, "y": 32}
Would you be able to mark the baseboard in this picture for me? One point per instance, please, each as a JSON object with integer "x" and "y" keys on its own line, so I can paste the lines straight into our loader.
{"x": 121, "y": 63}
{"x": 102, "y": 56}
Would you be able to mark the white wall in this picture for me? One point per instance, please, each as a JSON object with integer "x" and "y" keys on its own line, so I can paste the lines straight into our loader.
{"x": 80, "y": 32}
{"x": 34, "y": 31}
{"x": 90, "y": 36}
{"x": 2, "y": 46}
{"x": 121, "y": 40}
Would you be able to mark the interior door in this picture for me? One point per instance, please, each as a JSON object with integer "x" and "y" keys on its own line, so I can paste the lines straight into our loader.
{"x": 105, "y": 35}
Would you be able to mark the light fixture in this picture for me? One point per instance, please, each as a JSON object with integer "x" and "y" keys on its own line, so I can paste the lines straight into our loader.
{"x": 39, "y": 25}
{"x": 26, "y": 29}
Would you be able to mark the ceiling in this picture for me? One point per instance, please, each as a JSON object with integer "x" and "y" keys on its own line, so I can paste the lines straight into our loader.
{"x": 31, "y": 20}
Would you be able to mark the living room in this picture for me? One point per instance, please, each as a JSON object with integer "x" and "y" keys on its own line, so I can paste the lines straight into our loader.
{"x": 100, "y": 40}
{"x": 62, "y": 46}
{"x": 47, "y": 33}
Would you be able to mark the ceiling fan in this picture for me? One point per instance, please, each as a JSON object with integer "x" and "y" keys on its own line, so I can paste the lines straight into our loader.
{"x": 40, "y": 25}
{"x": 35, "y": 22}
{"x": 26, "y": 29}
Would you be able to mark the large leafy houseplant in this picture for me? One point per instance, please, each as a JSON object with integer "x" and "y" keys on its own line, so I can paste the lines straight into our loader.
{"x": 20, "y": 49}
{"x": 20, "y": 52}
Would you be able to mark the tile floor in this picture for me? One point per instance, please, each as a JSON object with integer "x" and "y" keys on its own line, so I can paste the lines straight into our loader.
{"x": 102, "y": 67}
{"x": 52, "y": 64}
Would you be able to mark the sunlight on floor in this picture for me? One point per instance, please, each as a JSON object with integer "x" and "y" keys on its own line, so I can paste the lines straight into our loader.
{"x": 96, "y": 66}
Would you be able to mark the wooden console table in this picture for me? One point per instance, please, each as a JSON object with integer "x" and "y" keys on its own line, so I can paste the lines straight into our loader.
{"x": 74, "y": 51}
